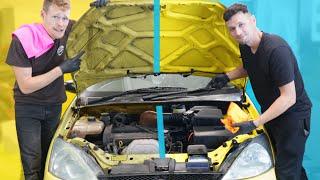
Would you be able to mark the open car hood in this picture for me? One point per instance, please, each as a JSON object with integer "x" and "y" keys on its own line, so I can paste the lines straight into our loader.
{"x": 118, "y": 40}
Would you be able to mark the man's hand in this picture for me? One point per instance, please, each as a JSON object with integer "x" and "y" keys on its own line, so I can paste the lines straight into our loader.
{"x": 71, "y": 65}
{"x": 245, "y": 127}
{"x": 219, "y": 81}
{"x": 99, "y": 3}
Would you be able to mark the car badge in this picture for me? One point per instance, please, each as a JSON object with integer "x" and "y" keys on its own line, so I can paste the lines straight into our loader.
{"x": 60, "y": 50}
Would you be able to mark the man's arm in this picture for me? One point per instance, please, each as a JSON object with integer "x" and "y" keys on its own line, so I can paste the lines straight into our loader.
{"x": 286, "y": 99}
{"x": 29, "y": 84}
{"x": 240, "y": 72}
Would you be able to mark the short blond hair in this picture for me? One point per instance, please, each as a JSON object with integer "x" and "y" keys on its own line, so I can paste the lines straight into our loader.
{"x": 62, "y": 4}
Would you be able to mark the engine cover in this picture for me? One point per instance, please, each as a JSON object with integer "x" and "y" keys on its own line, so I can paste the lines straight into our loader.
{"x": 142, "y": 146}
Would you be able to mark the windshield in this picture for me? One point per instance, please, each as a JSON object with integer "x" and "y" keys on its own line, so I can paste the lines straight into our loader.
{"x": 163, "y": 87}
{"x": 138, "y": 82}
{"x": 172, "y": 82}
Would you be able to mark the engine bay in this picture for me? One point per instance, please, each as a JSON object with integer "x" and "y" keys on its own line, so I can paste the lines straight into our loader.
{"x": 123, "y": 131}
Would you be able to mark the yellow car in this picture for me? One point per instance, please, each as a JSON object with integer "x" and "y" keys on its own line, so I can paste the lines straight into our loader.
{"x": 112, "y": 129}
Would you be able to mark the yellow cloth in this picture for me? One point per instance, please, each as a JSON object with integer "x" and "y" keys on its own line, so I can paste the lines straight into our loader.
{"x": 234, "y": 115}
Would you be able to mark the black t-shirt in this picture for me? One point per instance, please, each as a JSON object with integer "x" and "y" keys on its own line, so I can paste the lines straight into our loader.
{"x": 272, "y": 66}
{"x": 54, "y": 93}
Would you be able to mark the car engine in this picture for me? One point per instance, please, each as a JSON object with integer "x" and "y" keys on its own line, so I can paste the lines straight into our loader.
{"x": 136, "y": 133}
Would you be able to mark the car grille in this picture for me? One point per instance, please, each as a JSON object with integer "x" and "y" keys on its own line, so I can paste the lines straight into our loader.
{"x": 165, "y": 177}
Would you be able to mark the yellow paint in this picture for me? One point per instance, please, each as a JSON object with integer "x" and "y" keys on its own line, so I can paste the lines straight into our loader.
{"x": 14, "y": 13}
{"x": 119, "y": 158}
{"x": 178, "y": 157}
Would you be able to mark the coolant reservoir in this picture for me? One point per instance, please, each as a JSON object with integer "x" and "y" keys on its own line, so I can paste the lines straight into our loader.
{"x": 87, "y": 125}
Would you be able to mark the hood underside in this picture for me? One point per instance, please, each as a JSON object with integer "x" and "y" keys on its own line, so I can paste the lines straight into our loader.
{"x": 118, "y": 40}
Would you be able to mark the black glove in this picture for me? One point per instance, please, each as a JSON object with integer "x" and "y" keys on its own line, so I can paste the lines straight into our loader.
{"x": 99, "y": 3}
{"x": 71, "y": 65}
{"x": 219, "y": 81}
{"x": 244, "y": 127}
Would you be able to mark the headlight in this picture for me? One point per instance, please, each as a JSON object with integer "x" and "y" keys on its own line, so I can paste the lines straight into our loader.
{"x": 69, "y": 162}
{"x": 254, "y": 160}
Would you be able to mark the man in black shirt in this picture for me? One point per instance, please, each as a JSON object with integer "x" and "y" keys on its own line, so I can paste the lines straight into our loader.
{"x": 272, "y": 68}
{"x": 37, "y": 56}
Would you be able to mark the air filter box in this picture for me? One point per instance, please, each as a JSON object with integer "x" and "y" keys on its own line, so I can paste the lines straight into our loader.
{"x": 206, "y": 116}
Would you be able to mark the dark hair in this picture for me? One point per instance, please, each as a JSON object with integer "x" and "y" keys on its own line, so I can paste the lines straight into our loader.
{"x": 62, "y": 4}
{"x": 234, "y": 9}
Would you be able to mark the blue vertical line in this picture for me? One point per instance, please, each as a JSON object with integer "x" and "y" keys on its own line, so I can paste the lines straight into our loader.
{"x": 156, "y": 40}
{"x": 156, "y": 69}
{"x": 162, "y": 150}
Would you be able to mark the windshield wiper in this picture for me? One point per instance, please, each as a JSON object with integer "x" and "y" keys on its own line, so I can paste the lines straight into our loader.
{"x": 182, "y": 73}
{"x": 196, "y": 92}
{"x": 180, "y": 93}
{"x": 139, "y": 92}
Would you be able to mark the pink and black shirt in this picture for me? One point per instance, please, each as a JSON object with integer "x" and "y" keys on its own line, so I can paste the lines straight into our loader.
{"x": 31, "y": 46}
